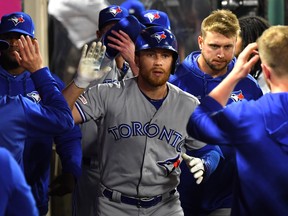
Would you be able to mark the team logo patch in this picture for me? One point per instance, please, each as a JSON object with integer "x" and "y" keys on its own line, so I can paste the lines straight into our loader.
{"x": 237, "y": 96}
{"x": 170, "y": 164}
{"x": 159, "y": 36}
{"x": 82, "y": 99}
{"x": 152, "y": 16}
{"x": 34, "y": 95}
{"x": 17, "y": 20}
{"x": 115, "y": 10}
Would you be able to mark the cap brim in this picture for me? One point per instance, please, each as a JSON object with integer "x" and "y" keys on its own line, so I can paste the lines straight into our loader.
{"x": 3, "y": 45}
{"x": 18, "y": 31}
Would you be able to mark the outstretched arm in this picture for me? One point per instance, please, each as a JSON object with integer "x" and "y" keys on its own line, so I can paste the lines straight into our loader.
{"x": 88, "y": 70}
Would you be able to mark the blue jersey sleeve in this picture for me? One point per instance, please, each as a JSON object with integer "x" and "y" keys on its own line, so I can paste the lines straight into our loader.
{"x": 68, "y": 147}
{"x": 55, "y": 115}
{"x": 206, "y": 115}
{"x": 210, "y": 154}
{"x": 15, "y": 195}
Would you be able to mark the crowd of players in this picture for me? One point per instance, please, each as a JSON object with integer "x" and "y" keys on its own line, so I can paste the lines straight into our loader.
{"x": 139, "y": 111}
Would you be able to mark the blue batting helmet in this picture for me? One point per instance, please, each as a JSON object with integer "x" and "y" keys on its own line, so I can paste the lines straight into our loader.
{"x": 158, "y": 37}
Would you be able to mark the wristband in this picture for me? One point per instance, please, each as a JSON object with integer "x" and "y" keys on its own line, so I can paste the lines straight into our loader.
{"x": 125, "y": 68}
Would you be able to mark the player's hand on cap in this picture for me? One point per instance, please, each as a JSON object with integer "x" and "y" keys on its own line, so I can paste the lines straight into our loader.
{"x": 62, "y": 184}
{"x": 196, "y": 167}
{"x": 89, "y": 65}
{"x": 28, "y": 56}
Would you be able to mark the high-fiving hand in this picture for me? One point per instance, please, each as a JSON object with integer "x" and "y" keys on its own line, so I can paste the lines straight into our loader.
{"x": 89, "y": 65}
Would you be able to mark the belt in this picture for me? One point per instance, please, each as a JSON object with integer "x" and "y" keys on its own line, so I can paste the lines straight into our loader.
{"x": 139, "y": 202}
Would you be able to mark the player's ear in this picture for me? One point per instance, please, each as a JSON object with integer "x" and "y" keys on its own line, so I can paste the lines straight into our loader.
{"x": 266, "y": 71}
{"x": 200, "y": 42}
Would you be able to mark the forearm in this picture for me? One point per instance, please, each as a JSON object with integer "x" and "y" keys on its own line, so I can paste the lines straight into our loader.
{"x": 71, "y": 94}
{"x": 134, "y": 68}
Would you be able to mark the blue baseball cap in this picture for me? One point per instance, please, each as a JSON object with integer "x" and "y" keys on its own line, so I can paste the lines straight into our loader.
{"x": 134, "y": 7}
{"x": 3, "y": 45}
{"x": 155, "y": 17}
{"x": 111, "y": 13}
{"x": 17, "y": 22}
{"x": 130, "y": 25}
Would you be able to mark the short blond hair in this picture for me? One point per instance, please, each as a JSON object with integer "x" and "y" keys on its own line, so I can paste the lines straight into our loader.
{"x": 273, "y": 48}
{"x": 221, "y": 21}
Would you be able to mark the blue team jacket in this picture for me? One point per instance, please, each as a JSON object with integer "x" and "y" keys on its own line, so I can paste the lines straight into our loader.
{"x": 258, "y": 131}
{"x": 38, "y": 151}
{"x": 216, "y": 192}
{"x": 15, "y": 195}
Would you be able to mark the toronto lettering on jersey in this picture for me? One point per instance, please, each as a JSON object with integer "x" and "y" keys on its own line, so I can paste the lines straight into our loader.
{"x": 172, "y": 137}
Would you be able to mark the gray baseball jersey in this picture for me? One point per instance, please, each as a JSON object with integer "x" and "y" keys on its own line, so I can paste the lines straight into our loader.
{"x": 89, "y": 129}
{"x": 140, "y": 146}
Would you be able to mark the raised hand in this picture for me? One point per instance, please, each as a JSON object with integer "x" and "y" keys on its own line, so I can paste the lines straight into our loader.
{"x": 89, "y": 65}
{"x": 29, "y": 56}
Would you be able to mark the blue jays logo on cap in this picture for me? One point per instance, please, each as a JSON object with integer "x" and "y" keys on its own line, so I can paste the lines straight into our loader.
{"x": 159, "y": 36}
{"x": 111, "y": 13}
{"x": 152, "y": 16}
{"x": 155, "y": 17}
{"x": 115, "y": 10}
{"x": 17, "y": 22}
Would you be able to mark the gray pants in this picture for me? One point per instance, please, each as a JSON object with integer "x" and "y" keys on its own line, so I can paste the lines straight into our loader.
{"x": 169, "y": 206}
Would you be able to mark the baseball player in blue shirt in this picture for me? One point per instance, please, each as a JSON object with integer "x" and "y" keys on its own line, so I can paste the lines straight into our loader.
{"x": 141, "y": 147}
{"x": 23, "y": 119}
{"x": 15, "y": 80}
{"x": 198, "y": 74}
{"x": 20, "y": 119}
{"x": 256, "y": 129}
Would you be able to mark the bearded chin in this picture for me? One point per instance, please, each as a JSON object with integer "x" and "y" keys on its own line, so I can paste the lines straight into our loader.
{"x": 8, "y": 63}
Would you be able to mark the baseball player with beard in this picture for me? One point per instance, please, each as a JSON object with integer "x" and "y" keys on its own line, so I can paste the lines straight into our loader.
{"x": 142, "y": 128}
{"x": 15, "y": 80}
{"x": 20, "y": 119}
{"x": 85, "y": 193}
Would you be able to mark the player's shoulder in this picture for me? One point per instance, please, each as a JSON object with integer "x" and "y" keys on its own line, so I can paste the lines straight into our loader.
{"x": 120, "y": 85}
{"x": 176, "y": 91}
{"x": 4, "y": 155}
